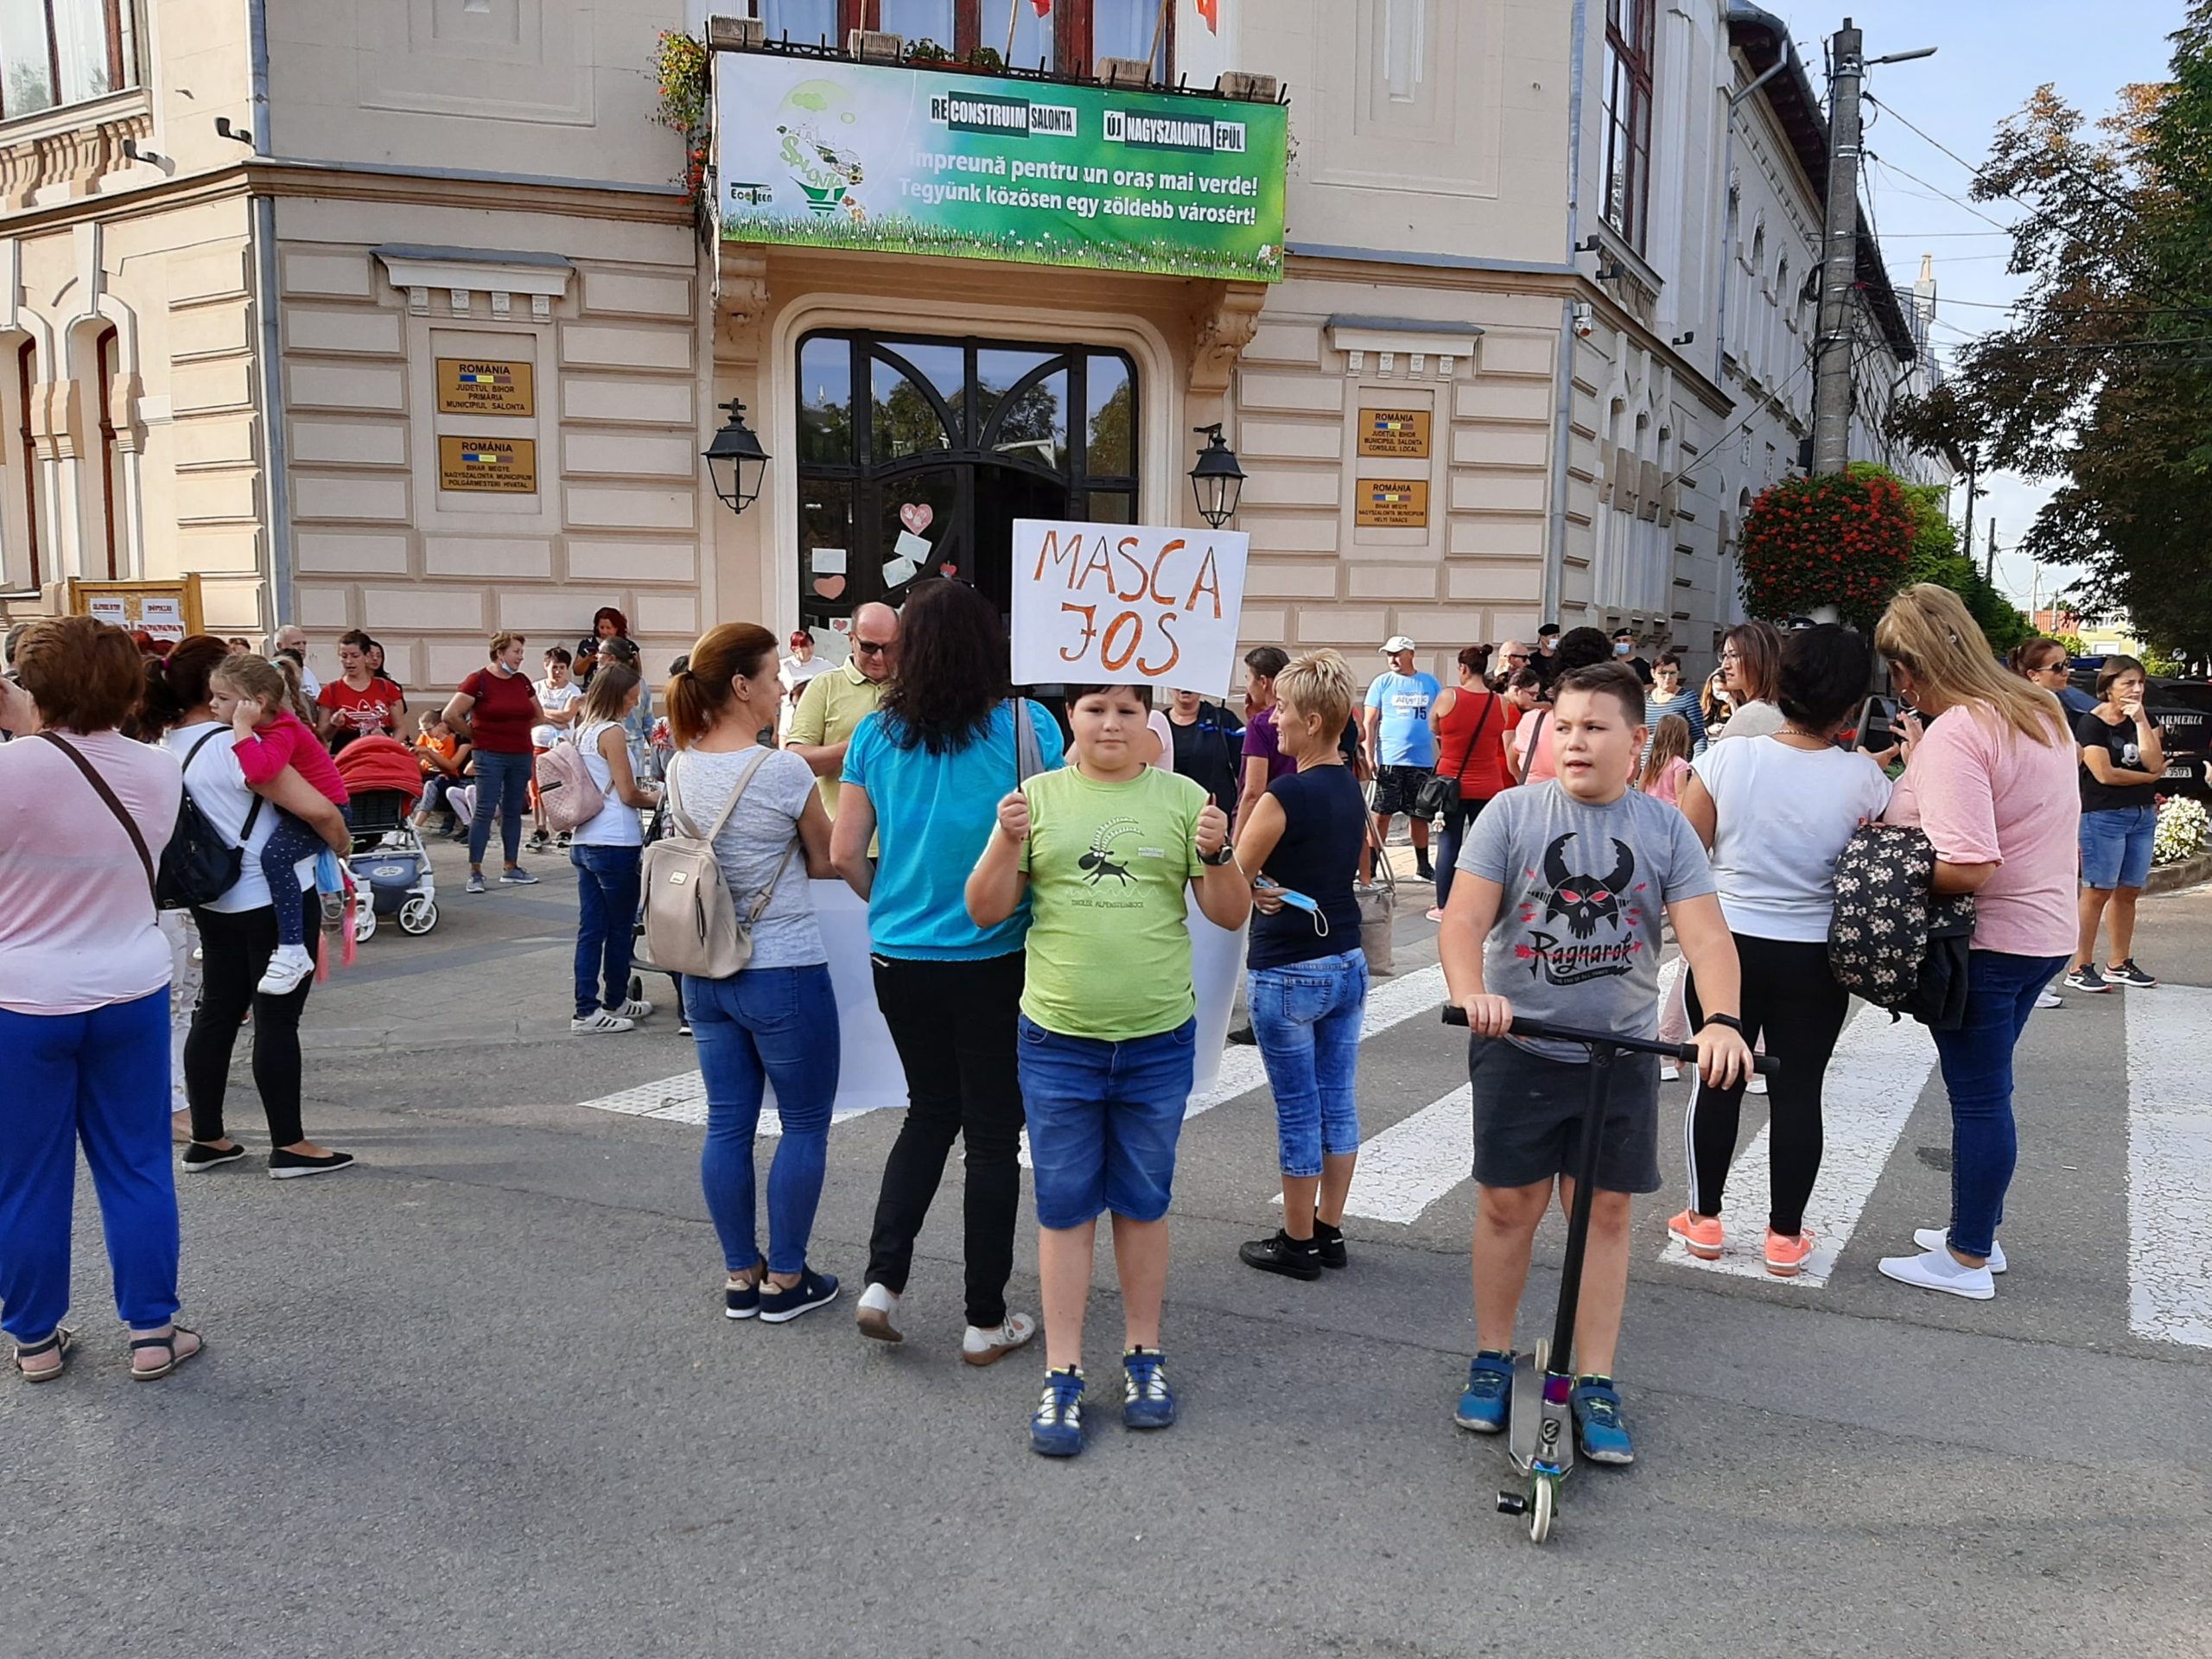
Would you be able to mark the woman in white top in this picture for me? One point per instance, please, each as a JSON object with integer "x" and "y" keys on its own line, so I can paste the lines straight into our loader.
{"x": 776, "y": 1019}
{"x": 1775, "y": 812}
{"x": 1750, "y": 662}
{"x": 606, "y": 849}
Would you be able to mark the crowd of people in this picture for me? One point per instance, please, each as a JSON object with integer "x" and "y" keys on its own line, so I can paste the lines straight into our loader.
{"x": 1035, "y": 870}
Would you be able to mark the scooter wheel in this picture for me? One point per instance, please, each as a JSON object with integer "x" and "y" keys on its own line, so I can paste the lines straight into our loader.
{"x": 1543, "y": 1500}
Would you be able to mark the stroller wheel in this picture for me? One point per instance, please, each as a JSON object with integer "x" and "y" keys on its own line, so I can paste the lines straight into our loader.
{"x": 419, "y": 916}
{"x": 365, "y": 922}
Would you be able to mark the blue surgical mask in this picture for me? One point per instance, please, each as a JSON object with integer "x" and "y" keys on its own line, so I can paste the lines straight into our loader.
{"x": 1622, "y": 647}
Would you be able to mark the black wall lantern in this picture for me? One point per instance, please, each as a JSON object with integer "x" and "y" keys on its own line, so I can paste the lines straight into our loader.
{"x": 1217, "y": 480}
{"x": 735, "y": 460}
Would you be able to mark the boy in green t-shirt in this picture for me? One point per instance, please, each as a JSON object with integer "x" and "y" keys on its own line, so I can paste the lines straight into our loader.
{"x": 1105, "y": 850}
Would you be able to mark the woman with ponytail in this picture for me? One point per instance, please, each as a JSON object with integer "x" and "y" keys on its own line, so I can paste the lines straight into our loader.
{"x": 775, "y": 1020}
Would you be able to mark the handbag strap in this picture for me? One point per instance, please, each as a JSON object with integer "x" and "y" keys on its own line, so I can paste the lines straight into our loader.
{"x": 682, "y": 819}
{"x": 252, "y": 813}
{"x": 1535, "y": 738}
{"x": 122, "y": 816}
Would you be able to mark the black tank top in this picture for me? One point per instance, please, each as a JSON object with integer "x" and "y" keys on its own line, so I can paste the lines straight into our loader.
{"x": 1324, "y": 826}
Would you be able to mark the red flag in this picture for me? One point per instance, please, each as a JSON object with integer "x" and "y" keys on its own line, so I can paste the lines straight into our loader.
{"x": 1043, "y": 7}
{"x": 1210, "y": 11}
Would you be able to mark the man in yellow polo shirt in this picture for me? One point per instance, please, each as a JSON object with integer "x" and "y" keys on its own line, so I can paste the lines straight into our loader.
{"x": 834, "y": 704}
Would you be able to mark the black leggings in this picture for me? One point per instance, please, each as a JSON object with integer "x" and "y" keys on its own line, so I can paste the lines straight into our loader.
{"x": 1790, "y": 998}
{"x": 953, "y": 1023}
{"x": 234, "y": 952}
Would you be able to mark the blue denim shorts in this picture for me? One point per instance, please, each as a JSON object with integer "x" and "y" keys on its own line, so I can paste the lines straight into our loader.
{"x": 1104, "y": 1119}
{"x": 2116, "y": 847}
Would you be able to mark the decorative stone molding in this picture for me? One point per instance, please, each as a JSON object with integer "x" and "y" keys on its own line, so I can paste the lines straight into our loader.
{"x": 1223, "y": 322}
{"x": 741, "y": 286}
{"x": 79, "y": 156}
{"x": 464, "y": 272}
{"x": 1415, "y": 341}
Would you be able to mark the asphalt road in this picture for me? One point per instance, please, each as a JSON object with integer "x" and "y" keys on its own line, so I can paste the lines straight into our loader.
{"x": 476, "y": 1397}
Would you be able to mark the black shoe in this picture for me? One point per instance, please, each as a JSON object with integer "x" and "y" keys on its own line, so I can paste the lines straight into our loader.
{"x": 1331, "y": 1243}
{"x": 1424, "y": 871}
{"x": 1292, "y": 1258}
{"x": 1244, "y": 1034}
{"x": 290, "y": 1166}
{"x": 201, "y": 1156}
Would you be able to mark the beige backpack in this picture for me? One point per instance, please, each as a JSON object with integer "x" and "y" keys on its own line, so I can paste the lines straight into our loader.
{"x": 691, "y": 926}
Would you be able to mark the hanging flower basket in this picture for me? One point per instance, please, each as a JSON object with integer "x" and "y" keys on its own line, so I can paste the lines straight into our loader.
{"x": 1843, "y": 540}
{"x": 680, "y": 62}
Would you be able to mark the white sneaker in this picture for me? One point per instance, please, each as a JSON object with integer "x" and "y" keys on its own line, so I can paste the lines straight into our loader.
{"x": 981, "y": 1347}
{"x": 288, "y": 966}
{"x": 1933, "y": 1238}
{"x": 599, "y": 1022}
{"x": 2048, "y": 999}
{"x": 877, "y": 1308}
{"x": 1670, "y": 1071}
{"x": 1938, "y": 1269}
{"x": 636, "y": 1008}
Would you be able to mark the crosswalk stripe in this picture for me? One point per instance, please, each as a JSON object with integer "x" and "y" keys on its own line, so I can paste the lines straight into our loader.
{"x": 1873, "y": 1084}
{"x": 2169, "y": 1165}
{"x": 1390, "y": 1003}
{"x": 1415, "y": 1161}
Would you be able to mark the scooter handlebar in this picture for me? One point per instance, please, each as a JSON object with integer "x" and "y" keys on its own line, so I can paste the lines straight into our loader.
{"x": 1766, "y": 1065}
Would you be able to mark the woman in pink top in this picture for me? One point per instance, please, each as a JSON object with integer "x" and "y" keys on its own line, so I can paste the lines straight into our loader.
{"x": 1992, "y": 782}
{"x": 83, "y": 995}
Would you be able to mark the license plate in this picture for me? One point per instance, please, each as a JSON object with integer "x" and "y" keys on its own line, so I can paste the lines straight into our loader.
{"x": 2181, "y": 770}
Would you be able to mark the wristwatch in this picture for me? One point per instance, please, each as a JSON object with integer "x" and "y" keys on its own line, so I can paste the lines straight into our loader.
{"x": 1216, "y": 860}
{"x": 1727, "y": 1019}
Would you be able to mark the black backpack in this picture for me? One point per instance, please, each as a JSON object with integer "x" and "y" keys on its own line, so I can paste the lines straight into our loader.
{"x": 1891, "y": 939}
{"x": 200, "y": 865}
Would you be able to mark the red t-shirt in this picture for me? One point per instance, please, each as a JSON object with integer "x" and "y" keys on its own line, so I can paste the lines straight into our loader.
{"x": 360, "y": 712}
{"x": 504, "y": 712}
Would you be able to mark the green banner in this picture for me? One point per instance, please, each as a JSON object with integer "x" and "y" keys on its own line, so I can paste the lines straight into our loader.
{"x": 821, "y": 153}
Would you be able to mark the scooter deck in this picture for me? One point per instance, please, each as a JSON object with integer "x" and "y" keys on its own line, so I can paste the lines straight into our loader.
{"x": 1524, "y": 1428}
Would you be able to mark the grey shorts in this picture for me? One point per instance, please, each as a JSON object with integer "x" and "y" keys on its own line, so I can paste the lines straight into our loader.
{"x": 1528, "y": 1118}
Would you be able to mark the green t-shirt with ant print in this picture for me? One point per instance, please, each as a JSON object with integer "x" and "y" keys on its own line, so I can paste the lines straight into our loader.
{"x": 1109, "y": 867}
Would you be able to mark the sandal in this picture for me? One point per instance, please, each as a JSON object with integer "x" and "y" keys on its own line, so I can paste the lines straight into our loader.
{"x": 63, "y": 1343}
{"x": 176, "y": 1359}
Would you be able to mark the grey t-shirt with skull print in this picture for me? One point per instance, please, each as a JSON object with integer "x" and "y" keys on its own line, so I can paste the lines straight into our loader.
{"x": 1577, "y": 938}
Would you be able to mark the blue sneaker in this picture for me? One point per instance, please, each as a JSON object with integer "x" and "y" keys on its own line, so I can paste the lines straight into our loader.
{"x": 1488, "y": 1396}
{"x": 814, "y": 1290}
{"x": 1598, "y": 1430}
{"x": 1056, "y": 1426}
{"x": 1148, "y": 1402}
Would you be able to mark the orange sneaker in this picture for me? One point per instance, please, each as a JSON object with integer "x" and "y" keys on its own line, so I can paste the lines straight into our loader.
{"x": 1785, "y": 1254}
{"x": 1700, "y": 1235}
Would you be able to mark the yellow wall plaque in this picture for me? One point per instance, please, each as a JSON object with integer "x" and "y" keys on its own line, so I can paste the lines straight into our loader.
{"x": 1393, "y": 432}
{"x": 492, "y": 465}
{"x": 473, "y": 387}
{"x": 1392, "y": 504}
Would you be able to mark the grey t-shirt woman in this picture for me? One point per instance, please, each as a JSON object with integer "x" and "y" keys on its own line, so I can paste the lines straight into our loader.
{"x": 762, "y": 827}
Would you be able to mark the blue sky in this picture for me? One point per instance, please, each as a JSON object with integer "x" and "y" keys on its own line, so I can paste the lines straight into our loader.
{"x": 1991, "y": 54}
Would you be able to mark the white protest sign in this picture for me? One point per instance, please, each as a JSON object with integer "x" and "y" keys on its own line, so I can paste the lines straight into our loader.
{"x": 1126, "y": 604}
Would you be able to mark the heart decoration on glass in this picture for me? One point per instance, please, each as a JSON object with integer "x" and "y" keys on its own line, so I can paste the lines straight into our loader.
{"x": 829, "y": 587}
{"x": 948, "y": 569}
{"x": 916, "y": 516}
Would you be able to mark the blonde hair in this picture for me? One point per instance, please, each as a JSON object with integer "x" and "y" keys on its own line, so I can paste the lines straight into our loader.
{"x": 1670, "y": 740}
{"x": 1928, "y": 632}
{"x": 1319, "y": 682}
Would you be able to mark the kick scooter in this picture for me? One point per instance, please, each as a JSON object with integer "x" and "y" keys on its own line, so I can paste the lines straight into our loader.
{"x": 1540, "y": 1437}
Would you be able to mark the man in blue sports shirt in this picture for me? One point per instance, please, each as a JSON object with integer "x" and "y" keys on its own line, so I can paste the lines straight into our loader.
{"x": 1401, "y": 746}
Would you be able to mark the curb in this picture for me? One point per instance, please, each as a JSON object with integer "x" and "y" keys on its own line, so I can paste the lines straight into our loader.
{"x": 2170, "y": 878}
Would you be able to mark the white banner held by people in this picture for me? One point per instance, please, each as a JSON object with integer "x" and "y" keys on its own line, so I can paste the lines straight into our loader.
{"x": 1126, "y": 604}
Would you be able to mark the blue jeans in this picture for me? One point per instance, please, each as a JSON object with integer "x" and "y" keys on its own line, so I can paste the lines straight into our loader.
{"x": 1104, "y": 1119}
{"x": 503, "y": 786}
{"x": 606, "y": 902}
{"x": 2116, "y": 845}
{"x": 101, "y": 1078}
{"x": 1453, "y": 837}
{"x": 765, "y": 1024}
{"x": 1306, "y": 1017}
{"x": 1977, "y": 1061}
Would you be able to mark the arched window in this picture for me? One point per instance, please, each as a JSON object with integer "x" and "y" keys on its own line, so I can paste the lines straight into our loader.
{"x": 110, "y": 457}
{"x": 21, "y": 514}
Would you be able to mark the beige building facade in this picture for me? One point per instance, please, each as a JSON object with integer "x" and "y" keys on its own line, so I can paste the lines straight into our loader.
{"x": 272, "y": 302}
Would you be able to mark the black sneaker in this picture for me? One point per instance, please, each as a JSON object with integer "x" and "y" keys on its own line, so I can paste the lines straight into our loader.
{"x": 2128, "y": 974}
{"x": 200, "y": 1157}
{"x": 1292, "y": 1258}
{"x": 1423, "y": 870}
{"x": 1331, "y": 1243}
{"x": 814, "y": 1290}
{"x": 2087, "y": 978}
{"x": 291, "y": 1166}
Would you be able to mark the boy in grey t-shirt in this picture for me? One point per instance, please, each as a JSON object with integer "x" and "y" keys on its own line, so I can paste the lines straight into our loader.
{"x": 1555, "y": 917}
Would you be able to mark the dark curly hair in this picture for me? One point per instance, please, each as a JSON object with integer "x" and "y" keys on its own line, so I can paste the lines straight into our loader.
{"x": 952, "y": 669}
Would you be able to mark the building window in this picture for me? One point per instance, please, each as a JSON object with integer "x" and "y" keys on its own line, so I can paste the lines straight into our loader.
{"x": 56, "y": 52}
{"x": 917, "y": 454}
{"x": 22, "y": 515}
{"x": 1628, "y": 115}
{"x": 111, "y": 455}
{"x": 1067, "y": 37}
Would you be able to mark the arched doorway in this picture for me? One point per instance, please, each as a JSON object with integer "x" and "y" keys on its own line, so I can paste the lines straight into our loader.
{"x": 918, "y": 453}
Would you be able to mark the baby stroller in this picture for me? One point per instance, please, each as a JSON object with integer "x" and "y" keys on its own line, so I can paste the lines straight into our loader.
{"x": 390, "y": 865}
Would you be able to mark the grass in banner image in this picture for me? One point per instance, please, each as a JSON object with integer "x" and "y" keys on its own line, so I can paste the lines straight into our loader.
{"x": 856, "y": 156}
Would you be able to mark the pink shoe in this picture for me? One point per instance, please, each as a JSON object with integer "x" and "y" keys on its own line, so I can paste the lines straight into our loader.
{"x": 1785, "y": 1255}
{"x": 1436, "y": 913}
{"x": 1700, "y": 1235}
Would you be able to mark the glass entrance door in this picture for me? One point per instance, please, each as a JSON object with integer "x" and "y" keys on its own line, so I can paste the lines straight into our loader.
{"x": 917, "y": 453}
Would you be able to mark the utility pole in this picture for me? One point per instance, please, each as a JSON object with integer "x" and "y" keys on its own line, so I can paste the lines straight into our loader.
{"x": 1989, "y": 560}
{"x": 1838, "y": 256}
{"x": 1973, "y": 457}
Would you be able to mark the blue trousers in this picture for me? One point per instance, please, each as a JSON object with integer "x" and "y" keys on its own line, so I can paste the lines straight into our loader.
{"x": 765, "y": 1024}
{"x": 502, "y": 786}
{"x": 1977, "y": 1065}
{"x": 101, "y": 1078}
{"x": 606, "y": 903}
